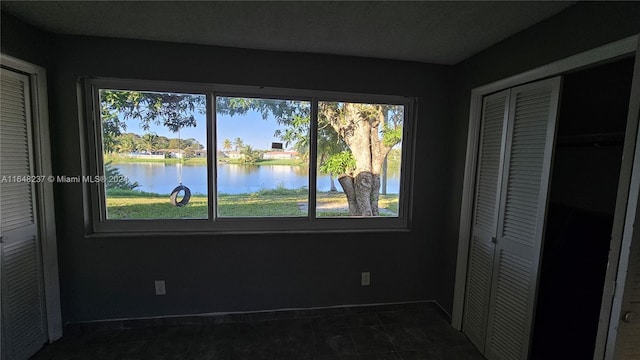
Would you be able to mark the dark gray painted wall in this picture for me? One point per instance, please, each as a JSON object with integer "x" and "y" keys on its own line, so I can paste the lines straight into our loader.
{"x": 105, "y": 278}
{"x": 24, "y": 41}
{"x": 579, "y": 28}
{"x": 112, "y": 277}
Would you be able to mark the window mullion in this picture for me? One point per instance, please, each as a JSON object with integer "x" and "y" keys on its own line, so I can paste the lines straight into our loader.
{"x": 212, "y": 156}
{"x": 97, "y": 162}
{"x": 313, "y": 158}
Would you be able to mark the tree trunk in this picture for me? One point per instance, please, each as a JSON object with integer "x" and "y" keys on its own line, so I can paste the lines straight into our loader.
{"x": 359, "y": 127}
{"x": 375, "y": 194}
{"x": 362, "y": 193}
{"x": 363, "y": 186}
{"x": 383, "y": 186}
{"x": 348, "y": 187}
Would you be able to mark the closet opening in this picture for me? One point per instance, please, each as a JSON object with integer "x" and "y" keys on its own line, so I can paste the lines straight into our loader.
{"x": 584, "y": 182}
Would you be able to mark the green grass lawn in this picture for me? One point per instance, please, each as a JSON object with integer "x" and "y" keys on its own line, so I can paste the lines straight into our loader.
{"x": 155, "y": 207}
{"x": 123, "y": 204}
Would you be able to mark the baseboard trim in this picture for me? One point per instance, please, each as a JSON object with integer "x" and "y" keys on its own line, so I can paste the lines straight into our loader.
{"x": 247, "y": 316}
{"x": 442, "y": 311}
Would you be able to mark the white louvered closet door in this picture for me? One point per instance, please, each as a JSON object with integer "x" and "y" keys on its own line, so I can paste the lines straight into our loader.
{"x": 530, "y": 135}
{"x": 485, "y": 216}
{"x": 23, "y": 308}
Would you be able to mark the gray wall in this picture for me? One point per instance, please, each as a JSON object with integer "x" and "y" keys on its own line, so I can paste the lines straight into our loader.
{"x": 112, "y": 277}
{"x": 579, "y": 28}
{"x": 24, "y": 41}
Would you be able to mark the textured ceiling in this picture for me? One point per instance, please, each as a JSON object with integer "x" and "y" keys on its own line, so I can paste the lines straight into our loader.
{"x": 434, "y": 32}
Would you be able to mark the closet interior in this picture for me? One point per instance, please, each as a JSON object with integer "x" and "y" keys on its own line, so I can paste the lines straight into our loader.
{"x": 582, "y": 199}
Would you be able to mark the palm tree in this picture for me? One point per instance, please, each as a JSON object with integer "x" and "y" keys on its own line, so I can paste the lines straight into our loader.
{"x": 239, "y": 144}
{"x": 150, "y": 141}
{"x": 126, "y": 144}
{"x": 226, "y": 144}
{"x": 249, "y": 155}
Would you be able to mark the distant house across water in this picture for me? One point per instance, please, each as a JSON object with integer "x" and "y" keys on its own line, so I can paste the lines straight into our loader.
{"x": 234, "y": 154}
{"x": 280, "y": 155}
{"x": 144, "y": 154}
{"x": 173, "y": 153}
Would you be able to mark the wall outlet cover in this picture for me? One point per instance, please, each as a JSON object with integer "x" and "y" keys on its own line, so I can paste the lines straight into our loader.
{"x": 366, "y": 279}
{"x": 161, "y": 288}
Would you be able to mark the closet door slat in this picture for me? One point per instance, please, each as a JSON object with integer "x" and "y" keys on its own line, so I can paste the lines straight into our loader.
{"x": 485, "y": 218}
{"x": 24, "y": 328}
{"x": 530, "y": 133}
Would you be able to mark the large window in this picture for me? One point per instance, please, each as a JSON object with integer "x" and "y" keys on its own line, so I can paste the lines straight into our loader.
{"x": 360, "y": 146}
{"x": 152, "y": 142}
{"x": 262, "y": 165}
{"x": 212, "y": 158}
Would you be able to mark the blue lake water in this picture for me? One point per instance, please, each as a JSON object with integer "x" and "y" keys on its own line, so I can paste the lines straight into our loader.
{"x": 232, "y": 178}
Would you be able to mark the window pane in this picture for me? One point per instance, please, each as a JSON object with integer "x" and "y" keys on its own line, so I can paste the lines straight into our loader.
{"x": 359, "y": 159}
{"x": 262, "y": 151}
{"x": 152, "y": 142}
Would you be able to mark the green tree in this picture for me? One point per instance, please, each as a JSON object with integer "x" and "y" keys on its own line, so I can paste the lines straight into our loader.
{"x": 171, "y": 110}
{"x": 162, "y": 142}
{"x": 115, "y": 180}
{"x": 192, "y": 143}
{"x": 226, "y": 144}
{"x": 150, "y": 141}
{"x": 249, "y": 155}
{"x": 126, "y": 143}
{"x": 369, "y": 131}
{"x": 238, "y": 143}
{"x": 174, "y": 144}
{"x": 329, "y": 143}
{"x": 199, "y": 146}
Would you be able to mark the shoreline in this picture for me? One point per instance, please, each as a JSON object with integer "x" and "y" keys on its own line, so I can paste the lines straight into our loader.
{"x": 200, "y": 161}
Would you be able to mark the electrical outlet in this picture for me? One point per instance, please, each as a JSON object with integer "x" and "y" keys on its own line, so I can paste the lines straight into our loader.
{"x": 366, "y": 279}
{"x": 161, "y": 288}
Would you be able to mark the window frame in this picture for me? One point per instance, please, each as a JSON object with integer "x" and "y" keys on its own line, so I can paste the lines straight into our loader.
{"x": 96, "y": 222}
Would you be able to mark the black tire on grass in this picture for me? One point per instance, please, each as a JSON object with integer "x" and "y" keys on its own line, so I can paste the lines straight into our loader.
{"x": 185, "y": 198}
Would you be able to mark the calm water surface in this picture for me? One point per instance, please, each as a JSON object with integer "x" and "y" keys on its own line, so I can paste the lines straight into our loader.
{"x": 232, "y": 178}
